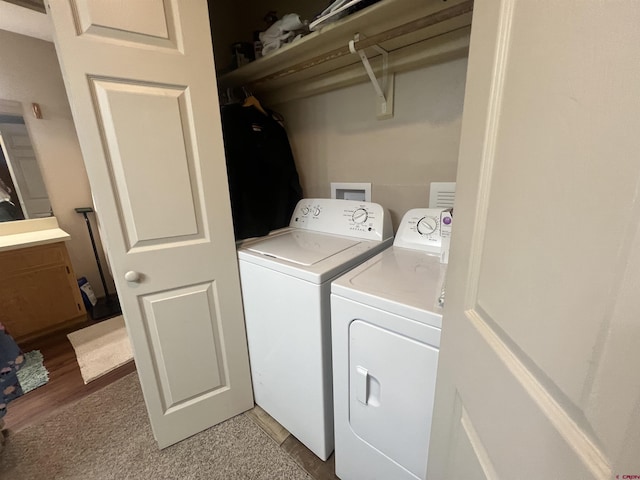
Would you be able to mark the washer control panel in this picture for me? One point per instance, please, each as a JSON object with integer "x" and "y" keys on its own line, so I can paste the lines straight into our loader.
{"x": 420, "y": 230}
{"x": 350, "y": 218}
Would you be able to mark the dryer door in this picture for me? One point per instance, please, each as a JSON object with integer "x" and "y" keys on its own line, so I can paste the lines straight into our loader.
{"x": 391, "y": 392}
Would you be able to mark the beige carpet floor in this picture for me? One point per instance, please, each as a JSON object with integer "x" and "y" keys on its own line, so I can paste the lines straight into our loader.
{"x": 101, "y": 348}
{"x": 107, "y": 436}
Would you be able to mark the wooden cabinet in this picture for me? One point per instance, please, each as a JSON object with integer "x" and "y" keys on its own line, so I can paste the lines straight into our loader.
{"x": 38, "y": 290}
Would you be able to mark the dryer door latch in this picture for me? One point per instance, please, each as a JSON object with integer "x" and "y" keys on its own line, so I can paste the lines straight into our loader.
{"x": 362, "y": 385}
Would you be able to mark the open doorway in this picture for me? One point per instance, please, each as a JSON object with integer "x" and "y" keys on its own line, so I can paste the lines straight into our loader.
{"x": 43, "y": 174}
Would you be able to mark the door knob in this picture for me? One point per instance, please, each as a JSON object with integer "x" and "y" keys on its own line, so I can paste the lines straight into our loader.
{"x": 132, "y": 276}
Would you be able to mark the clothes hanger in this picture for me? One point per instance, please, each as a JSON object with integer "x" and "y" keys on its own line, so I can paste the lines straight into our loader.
{"x": 251, "y": 101}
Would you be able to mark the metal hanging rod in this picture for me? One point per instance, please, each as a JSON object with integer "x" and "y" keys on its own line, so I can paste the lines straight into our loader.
{"x": 410, "y": 27}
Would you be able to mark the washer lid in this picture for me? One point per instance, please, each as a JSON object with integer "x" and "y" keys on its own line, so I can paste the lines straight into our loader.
{"x": 302, "y": 247}
{"x": 401, "y": 281}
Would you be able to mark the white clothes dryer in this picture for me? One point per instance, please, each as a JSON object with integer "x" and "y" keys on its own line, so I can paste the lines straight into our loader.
{"x": 286, "y": 283}
{"x": 386, "y": 321}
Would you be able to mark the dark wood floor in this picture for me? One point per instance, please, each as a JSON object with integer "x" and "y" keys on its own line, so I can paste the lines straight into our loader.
{"x": 65, "y": 382}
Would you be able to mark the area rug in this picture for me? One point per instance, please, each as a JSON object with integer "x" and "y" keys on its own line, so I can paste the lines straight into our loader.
{"x": 101, "y": 348}
{"x": 33, "y": 373}
{"x": 107, "y": 436}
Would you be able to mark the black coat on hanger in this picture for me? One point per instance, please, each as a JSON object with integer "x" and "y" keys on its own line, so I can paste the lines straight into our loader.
{"x": 263, "y": 181}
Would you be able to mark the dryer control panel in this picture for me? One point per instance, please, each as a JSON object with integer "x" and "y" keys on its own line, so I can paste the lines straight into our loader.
{"x": 350, "y": 218}
{"x": 420, "y": 230}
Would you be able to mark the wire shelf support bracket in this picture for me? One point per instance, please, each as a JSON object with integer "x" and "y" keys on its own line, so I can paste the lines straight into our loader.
{"x": 385, "y": 89}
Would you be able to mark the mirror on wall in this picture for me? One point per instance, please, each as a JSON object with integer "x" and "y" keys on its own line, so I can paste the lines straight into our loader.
{"x": 23, "y": 194}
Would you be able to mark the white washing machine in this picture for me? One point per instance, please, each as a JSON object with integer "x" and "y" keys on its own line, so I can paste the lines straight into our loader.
{"x": 385, "y": 320}
{"x": 286, "y": 284}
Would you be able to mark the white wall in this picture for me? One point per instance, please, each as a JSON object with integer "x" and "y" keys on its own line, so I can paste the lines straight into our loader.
{"x": 335, "y": 137}
{"x": 29, "y": 72}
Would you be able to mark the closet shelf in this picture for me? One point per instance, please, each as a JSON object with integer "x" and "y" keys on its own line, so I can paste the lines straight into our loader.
{"x": 415, "y": 32}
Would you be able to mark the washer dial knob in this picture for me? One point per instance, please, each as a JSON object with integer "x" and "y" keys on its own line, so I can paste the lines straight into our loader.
{"x": 427, "y": 225}
{"x": 360, "y": 215}
{"x": 316, "y": 211}
{"x": 305, "y": 210}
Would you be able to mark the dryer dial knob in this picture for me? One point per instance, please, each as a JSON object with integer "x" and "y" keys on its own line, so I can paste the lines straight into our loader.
{"x": 427, "y": 225}
{"x": 360, "y": 215}
{"x": 316, "y": 212}
{"x": 305, "y": 210}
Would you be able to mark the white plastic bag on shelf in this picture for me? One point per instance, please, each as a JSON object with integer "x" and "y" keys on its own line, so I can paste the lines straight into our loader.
{"x": 279, "y": 32}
